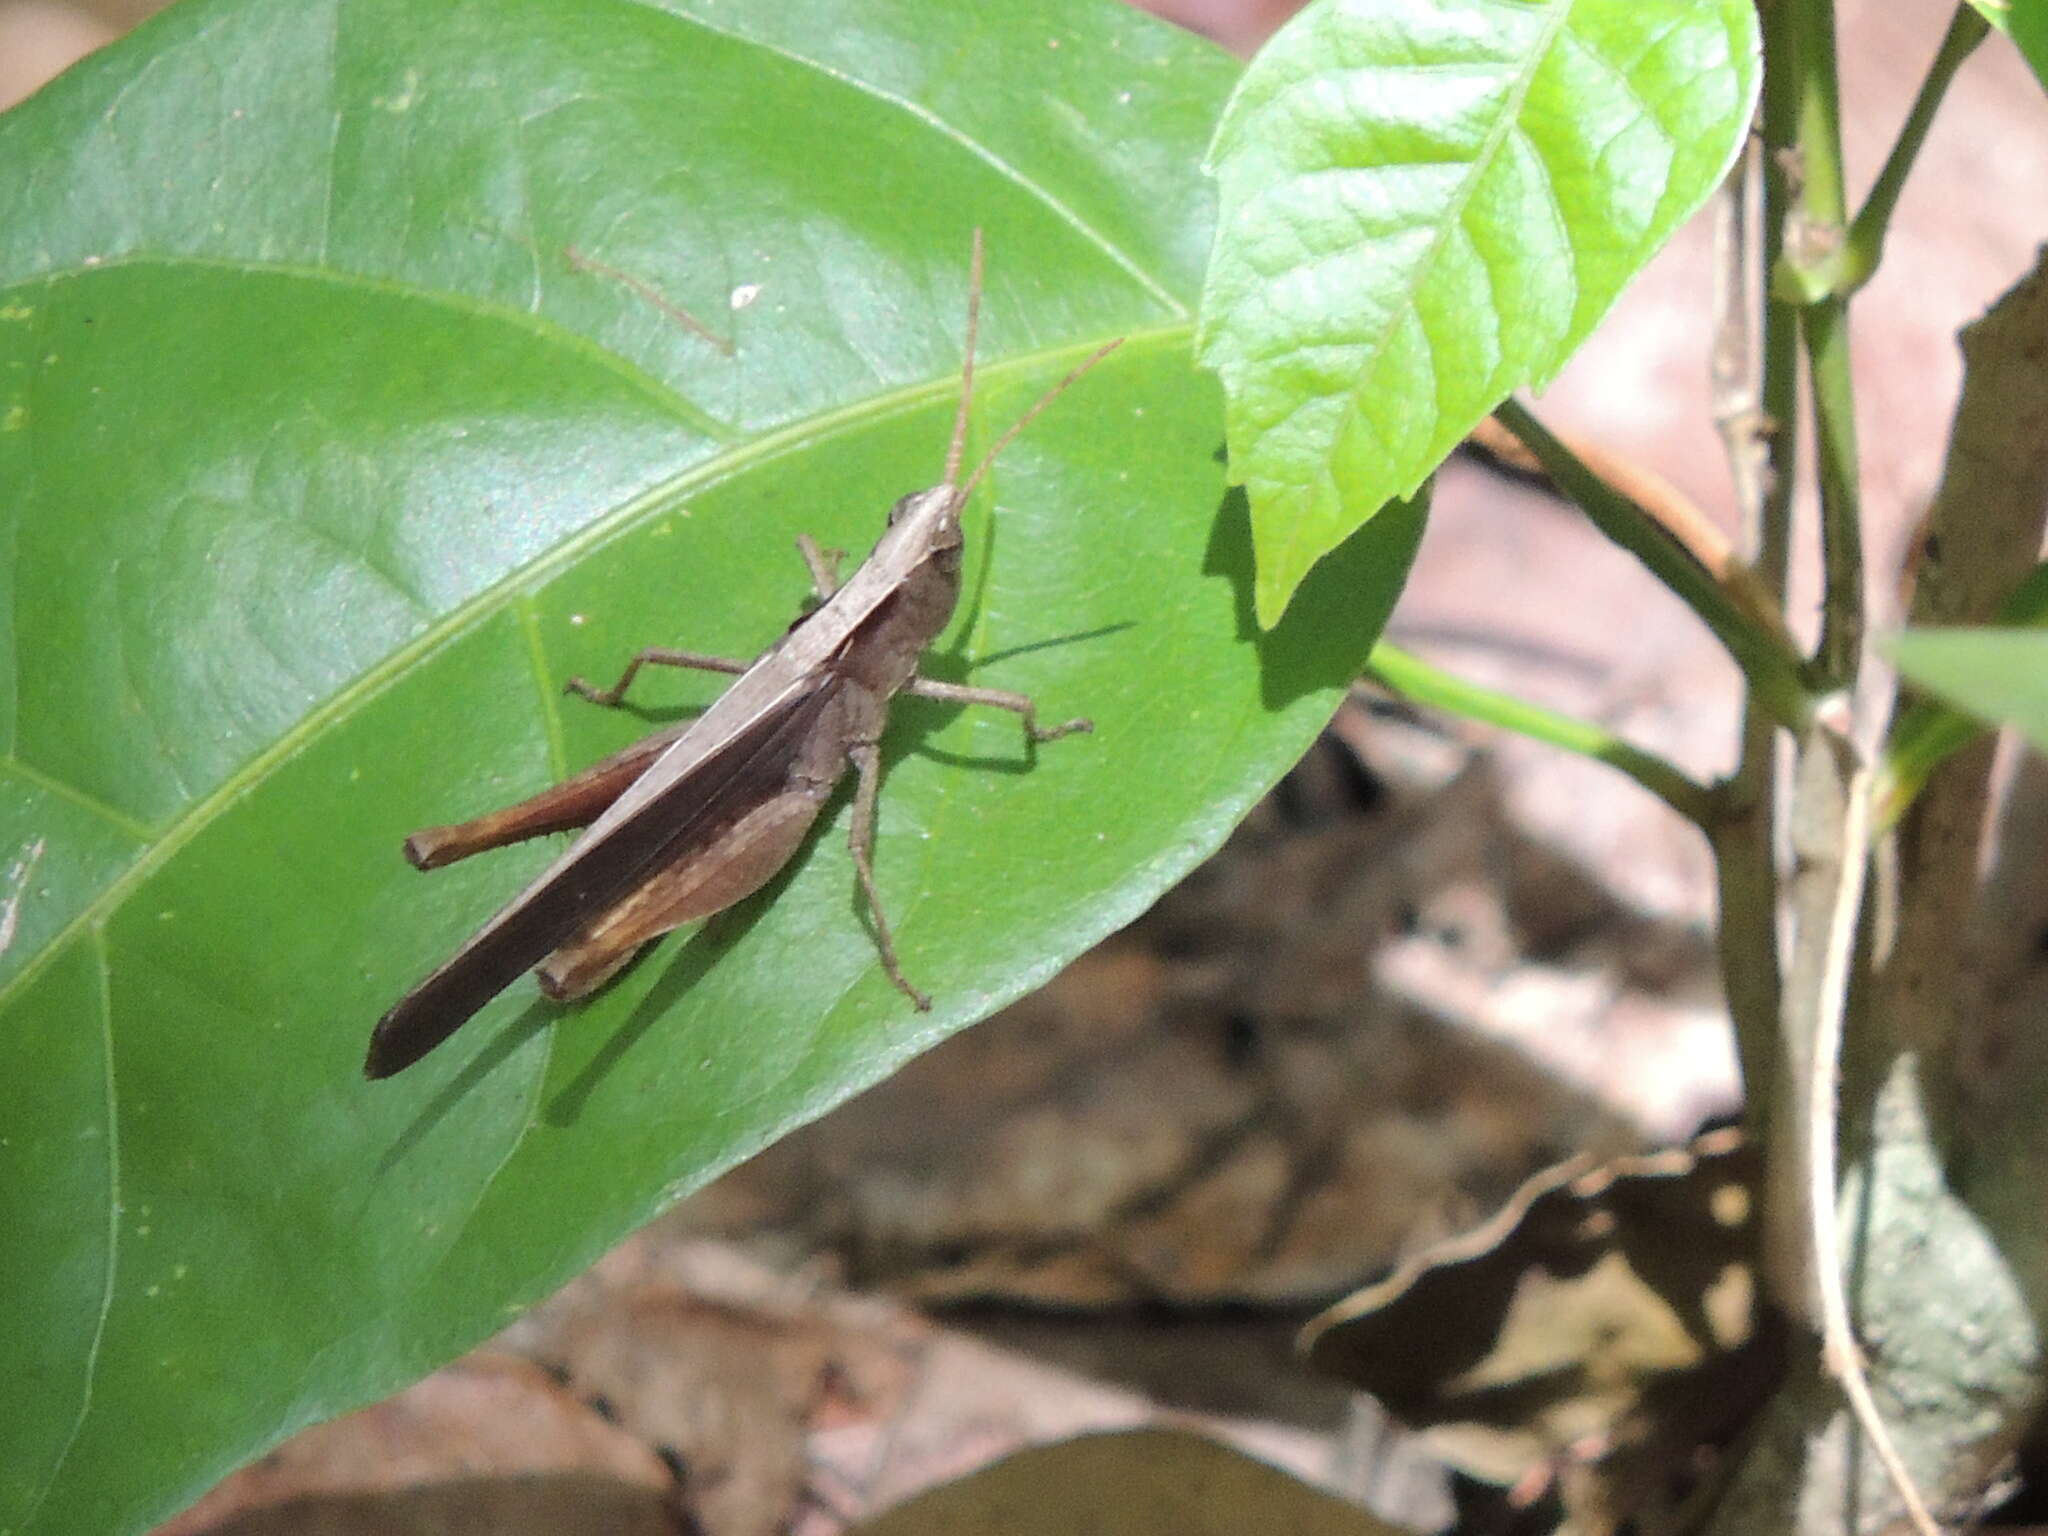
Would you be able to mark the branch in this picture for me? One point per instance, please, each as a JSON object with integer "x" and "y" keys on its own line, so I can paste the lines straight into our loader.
{"x": 1835, "y": 946}
{"x": 1691, "y": 558}
{"x": 1754, "y": 378}
{"x": 1855, "y": 260}
{"x": 1826, "y": 329}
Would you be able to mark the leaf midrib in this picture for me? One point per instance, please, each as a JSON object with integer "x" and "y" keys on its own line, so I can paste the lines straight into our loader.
{"x": 1483, "y": 162}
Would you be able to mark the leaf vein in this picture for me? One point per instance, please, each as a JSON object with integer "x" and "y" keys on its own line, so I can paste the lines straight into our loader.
{"x": 1484, "y": 159}
{"x": 1047, "y": 198}
{"x": 92, "y": 805}
{"x": 106, "y": 1304}
{"x": 681, "y": 407}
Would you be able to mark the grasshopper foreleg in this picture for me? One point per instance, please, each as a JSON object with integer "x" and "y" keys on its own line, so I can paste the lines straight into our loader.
{"x": 653, "y": 656}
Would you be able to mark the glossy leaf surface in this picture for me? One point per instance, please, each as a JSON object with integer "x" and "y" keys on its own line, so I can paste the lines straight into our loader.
{"x": 334, "y": 440}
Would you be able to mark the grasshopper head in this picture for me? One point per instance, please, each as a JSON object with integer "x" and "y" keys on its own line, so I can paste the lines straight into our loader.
{"x": 925, "y": 525}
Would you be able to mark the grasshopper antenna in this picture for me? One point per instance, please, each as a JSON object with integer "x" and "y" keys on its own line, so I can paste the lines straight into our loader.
{"x": 957, "y": 448}
{"x": 1031, "y": 415}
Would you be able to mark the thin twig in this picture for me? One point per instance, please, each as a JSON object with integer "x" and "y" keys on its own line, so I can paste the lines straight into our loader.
{"x": 1865, "y": 246}
{"x": 1746, "y": 344}
{"x": 1826, "y": 328}
{"x": 1416, "y": 679}
{"x": 1820, "y": 215}
{"x": 1736, "y": 367}
{"x": 1667, "y": 506}
{"x": 1839, "y": 1351}
{"x": 1816, "y": 229}
{"x": 1769, "y": 543}
{"x": 1855, "y": 261}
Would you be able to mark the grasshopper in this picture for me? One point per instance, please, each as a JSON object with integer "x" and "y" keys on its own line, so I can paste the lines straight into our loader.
{"x": 701, "y": 815}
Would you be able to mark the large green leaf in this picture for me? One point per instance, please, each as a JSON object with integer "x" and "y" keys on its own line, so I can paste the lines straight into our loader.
{"x": 326, "y": 461}
{"x": 1427, "y": 204}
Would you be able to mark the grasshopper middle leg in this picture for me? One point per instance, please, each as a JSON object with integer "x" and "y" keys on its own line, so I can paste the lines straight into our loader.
{"x": 653, "y": 656}
{"x": 998, "y": 698}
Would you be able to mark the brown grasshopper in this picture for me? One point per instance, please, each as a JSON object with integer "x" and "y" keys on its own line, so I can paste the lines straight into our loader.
{"x": 702, "y": 814}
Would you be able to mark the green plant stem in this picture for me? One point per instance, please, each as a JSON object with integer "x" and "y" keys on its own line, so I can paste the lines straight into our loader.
{"x": 1864, "y": 248}
{"x": 1815, "y": 234}
{"x": 1746, "y": 891}
{"x": 1775, "y": 675}
{"x": 1779, "y": 393}
{"x": 1823, "y": 195}
{"x": 1745, "y": 841}
{"x": 1826, "y": 823}
{"x": 1414, "y": 678}
{"x": 1850, "y": 264}
{"x": 1826, "y": 328}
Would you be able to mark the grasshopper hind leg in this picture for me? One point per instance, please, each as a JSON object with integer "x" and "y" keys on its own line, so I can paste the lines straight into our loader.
{"x": 701, "y": 880}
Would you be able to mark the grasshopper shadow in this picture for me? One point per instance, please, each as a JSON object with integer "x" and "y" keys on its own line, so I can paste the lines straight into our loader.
{"x": 691, "y": 960}
{"x": 537, "y": 1016}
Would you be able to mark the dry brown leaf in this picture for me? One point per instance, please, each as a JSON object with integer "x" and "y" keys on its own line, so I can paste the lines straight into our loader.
{"x": 1147, "y": 1482}
{"x": 488, "y": 1433}
{"x": 1603, "y": 1322}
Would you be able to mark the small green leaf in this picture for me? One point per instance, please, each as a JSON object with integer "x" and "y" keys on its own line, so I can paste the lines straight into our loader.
{"x": 1427, "y": 204}
{"x": 334, "y": 441}
{"x": 1999, "y": 675}
{"x": 1997, "y": 12}
{"x": 1927, "y": 732}
{"x": 2026, "y": 22}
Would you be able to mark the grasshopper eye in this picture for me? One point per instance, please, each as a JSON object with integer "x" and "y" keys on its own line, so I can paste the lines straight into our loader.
{"x": 903, "y": 506}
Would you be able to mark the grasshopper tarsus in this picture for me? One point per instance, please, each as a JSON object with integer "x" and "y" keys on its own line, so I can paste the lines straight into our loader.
{"x": 998, "y": 698}
{"x": 427, "y": 848}
{"x": 1078, "y": 726}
